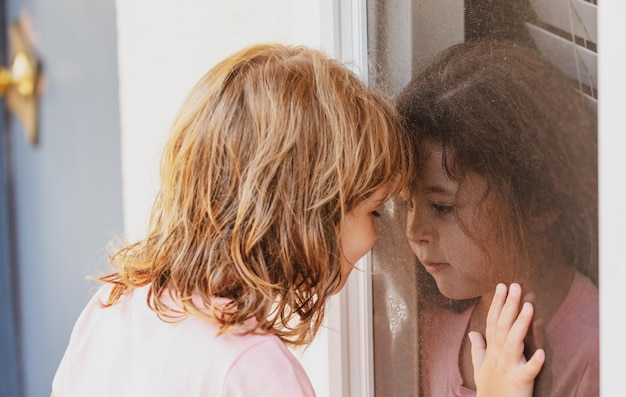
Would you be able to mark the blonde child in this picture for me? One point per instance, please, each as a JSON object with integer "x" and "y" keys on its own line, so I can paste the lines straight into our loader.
{"x": 505, "y": 191}
{"x": 277, "y": 163}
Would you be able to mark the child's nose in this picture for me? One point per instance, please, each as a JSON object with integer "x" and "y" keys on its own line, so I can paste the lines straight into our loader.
{"x": 418, "y": 230}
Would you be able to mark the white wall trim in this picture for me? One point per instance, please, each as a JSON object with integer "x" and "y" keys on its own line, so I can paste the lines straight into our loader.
{"x": 612, "y": 194}
{"x": 355, "y": 344}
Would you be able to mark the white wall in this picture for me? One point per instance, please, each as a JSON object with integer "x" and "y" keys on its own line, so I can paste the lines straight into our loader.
{"x": 164, "y": 47}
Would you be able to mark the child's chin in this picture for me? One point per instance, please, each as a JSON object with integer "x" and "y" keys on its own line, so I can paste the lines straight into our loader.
{"x": 453, "y": 292}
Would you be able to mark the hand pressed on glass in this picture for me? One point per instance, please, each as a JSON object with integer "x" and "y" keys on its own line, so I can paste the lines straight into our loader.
{"x": 500, "y": 367}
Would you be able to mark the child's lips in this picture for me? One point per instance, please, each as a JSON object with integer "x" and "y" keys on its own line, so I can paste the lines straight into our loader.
{"x": 434, "y": 267}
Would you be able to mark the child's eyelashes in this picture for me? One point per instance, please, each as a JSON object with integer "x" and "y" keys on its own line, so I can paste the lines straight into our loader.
{"x": 420, "y": 202}
{"x": 442, "y": 209}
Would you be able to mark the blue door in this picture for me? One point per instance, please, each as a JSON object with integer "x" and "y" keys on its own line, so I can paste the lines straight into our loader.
{"x": 61, "y": 199}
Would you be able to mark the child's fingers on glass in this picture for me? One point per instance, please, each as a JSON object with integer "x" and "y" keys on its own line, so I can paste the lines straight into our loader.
{"x": 533, "y": 366}
{"x": 515, "y": 339}
{"x": 478, "y": 349}
{"x": 508, "y": 314}
{"x": 494, "y": 312}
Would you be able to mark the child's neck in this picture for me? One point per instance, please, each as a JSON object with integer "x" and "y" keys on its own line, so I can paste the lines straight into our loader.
{"x": 550, "y": 289}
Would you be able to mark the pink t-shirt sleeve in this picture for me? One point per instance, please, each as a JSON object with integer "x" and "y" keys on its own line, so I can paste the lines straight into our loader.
{"x": 267, "y": 369}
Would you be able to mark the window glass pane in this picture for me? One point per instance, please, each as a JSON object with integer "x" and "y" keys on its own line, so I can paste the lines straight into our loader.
{"x": 505, "y": 189}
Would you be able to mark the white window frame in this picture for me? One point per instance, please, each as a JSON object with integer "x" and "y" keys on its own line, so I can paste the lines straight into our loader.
{"x": 351, "y": 350}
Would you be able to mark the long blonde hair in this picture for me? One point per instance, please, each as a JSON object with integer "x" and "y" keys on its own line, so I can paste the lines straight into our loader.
{"x": 270, "y": 150}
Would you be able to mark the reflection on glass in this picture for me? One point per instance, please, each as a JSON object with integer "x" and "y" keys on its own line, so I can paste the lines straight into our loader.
{"x": 505, "y": 190}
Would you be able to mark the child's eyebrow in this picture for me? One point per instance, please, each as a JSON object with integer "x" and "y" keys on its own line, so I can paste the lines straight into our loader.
{"x": 437, "y": 189}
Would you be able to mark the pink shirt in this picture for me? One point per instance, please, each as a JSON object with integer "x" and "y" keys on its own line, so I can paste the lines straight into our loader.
{"x": 126, "y": 350}
{"x": 573, "y": 334}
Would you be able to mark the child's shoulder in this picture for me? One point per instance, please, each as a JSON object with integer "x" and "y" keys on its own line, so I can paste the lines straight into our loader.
{"x": 581, "y": 305}
{"x": 267, "y": 362}
{"x": 574, "y": 335}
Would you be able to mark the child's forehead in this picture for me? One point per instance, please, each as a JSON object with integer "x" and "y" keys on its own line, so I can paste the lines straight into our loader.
{"x": 436, "y": 161}
{"x": 443, "y": 157}
{"x": 429, "y": 148}
{"x": 379, "y": 194}
{"x": 436, "y": 176}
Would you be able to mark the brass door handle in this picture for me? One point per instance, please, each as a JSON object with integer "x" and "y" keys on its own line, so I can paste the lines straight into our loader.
{"x": 19, "y": 82}
{"x": 21, "y": 75}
